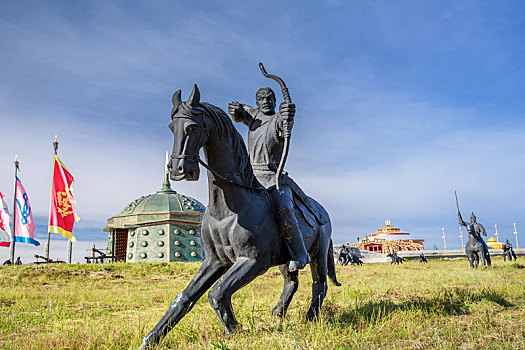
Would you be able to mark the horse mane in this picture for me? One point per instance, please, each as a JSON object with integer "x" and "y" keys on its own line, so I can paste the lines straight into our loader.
{"x": 228, "y": 133}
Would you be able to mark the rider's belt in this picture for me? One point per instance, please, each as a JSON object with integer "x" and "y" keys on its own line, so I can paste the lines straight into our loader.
{"x": 263, "y": 167}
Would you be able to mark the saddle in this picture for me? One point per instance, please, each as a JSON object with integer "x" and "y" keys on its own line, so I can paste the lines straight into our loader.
{"x": 310, "y": 210}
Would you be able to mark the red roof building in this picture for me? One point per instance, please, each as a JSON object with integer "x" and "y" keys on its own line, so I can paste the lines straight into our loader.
{"x": 389, "y": 238}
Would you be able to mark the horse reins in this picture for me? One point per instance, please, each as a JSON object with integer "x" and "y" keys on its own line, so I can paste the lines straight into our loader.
{"x": 195, "y": 157}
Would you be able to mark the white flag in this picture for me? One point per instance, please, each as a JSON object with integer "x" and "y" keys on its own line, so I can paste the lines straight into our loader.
{"x": 5, "y": 219}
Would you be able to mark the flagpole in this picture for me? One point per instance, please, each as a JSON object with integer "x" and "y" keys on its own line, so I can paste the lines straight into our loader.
{"x": 69, "y": 250}
{"x": 12, "y": 252}
{"x": 461, "y": 237}
{"x": 516, "y": 234}
{"x": 69, "y": 243}
{"x": 55, "y": 147}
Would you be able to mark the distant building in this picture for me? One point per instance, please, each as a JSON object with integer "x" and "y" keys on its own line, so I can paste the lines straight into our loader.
{"x": 161, "y": 227}
{"x": 389, "y": 238}
{"x": 493, "y": 243}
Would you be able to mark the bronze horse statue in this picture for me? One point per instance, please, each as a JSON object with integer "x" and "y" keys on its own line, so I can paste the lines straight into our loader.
{"x": 475, "y": 249}
{"x": 239, "y": 230}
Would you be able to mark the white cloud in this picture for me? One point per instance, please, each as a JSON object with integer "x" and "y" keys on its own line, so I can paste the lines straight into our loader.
{"x": 367, "y": 144}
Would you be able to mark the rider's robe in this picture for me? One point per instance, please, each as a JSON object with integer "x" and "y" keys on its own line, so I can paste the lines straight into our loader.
{"x": 480, "y": 230}
{"x": 265, "y": 147}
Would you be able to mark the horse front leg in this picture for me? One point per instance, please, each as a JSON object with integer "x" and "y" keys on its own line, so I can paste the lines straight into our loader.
{"x": 291, "y": 283}
{"x": 209, "y": 272}
{"x": 470, "y": 257}
{"x": 240, "y": 274}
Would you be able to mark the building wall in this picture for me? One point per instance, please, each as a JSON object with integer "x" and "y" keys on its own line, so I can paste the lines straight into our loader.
{"x": 162, "y": 243}
{"x": 387, "y": 246}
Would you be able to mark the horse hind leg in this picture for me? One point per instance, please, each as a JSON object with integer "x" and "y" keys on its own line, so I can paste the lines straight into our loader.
{"x": 209, "y": 272}
{"x": 240, "y": 274}
{"x": 291, "y": 283}
{"x": 482, "y": 258}
{"x": 318, "y": 266}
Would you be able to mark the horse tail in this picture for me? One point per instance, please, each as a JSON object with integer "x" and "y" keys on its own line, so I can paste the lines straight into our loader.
{"x": 487, "y": 257}
{"x": 331, "y": 265}
{"x": 486, "y": 254}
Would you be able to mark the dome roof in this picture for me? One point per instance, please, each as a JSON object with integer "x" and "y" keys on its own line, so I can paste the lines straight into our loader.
{"x": 165, "y": 200}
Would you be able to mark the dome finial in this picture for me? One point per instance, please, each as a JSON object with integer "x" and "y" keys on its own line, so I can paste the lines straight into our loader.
{"x": 166, "y": 186}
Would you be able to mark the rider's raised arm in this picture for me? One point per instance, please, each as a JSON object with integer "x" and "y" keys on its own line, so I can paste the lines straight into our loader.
{"x": 461, "y": 222}
{"x": 240, "y": 113}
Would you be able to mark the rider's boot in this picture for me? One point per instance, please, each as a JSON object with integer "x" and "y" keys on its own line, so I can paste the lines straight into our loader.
{"x": 300, "y": 257}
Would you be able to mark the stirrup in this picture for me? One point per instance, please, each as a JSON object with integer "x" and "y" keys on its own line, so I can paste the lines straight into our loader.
{"x": 295, "y": 265}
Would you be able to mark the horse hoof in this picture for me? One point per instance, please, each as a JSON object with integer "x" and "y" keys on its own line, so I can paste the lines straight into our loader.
{"x": 311, "y": 316}
{"x": 236, "y": 328}
{"x": 277, "y": 312}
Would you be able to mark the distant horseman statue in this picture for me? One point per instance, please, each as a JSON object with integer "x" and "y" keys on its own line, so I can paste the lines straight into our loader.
{"x": 508, "y": 252}
{"x": 476, "y": 248}
{"x": 241, "y": 232}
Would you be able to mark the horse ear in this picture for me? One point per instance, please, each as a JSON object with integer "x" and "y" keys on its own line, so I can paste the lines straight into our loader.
{"x": 176, "y": 98}
{"x": 195, "y": 97}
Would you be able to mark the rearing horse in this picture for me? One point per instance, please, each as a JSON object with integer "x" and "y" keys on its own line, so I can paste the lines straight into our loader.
{"x": 239, "y": 230}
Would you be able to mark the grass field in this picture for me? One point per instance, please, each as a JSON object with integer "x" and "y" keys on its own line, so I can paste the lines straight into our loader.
{"x": 442, "y": 304}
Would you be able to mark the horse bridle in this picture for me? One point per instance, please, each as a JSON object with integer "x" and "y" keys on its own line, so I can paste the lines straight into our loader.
{"x": 195, "y": 157}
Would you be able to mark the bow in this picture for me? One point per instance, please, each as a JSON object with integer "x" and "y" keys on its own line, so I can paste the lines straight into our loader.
{"x": 287, "y": 130}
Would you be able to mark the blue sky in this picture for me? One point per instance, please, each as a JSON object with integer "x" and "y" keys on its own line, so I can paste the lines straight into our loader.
{"x": 398, "y": 103}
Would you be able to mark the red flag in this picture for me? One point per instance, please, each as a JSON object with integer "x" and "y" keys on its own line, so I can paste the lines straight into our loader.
{"x": 62, "y": 214}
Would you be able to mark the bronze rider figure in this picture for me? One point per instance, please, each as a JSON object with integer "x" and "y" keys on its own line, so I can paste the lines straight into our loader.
{"x": 265, "y": 148}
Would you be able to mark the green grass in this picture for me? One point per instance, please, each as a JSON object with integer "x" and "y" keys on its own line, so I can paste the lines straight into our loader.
{"x": 442, "y": 304}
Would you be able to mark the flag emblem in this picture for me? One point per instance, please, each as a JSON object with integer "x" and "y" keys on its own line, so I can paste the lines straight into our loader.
{"x": 63, "y": 204}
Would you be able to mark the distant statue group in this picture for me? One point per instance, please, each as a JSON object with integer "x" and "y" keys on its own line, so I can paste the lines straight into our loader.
{"x": 347, "y": 256}
{"x": 17, "y": 262}
{"x": 508, "y": 252}
{"x": 396, "y": 259}
{"x": 476, "y": 248}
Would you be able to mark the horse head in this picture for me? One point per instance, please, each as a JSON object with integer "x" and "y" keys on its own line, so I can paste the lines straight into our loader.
{"x": 190, "y": 134}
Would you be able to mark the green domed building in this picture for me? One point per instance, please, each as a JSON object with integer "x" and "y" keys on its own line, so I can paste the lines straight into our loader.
{"x": 160, "y": 227}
